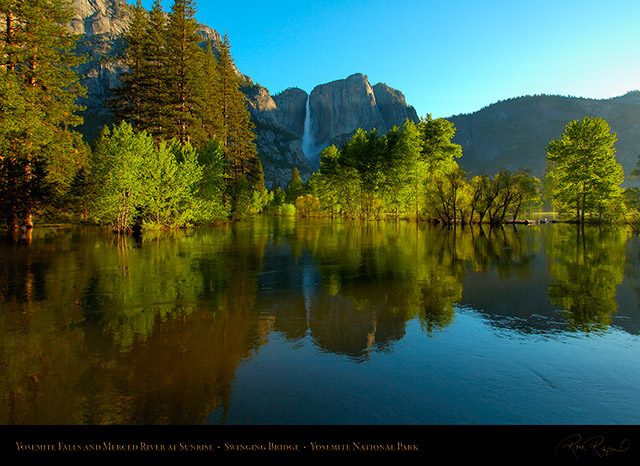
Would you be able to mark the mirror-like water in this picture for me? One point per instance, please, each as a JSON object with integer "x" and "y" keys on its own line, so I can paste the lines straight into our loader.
{"x": 289, "y": 321}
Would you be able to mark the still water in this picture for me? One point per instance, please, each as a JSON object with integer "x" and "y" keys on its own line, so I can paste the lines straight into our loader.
{"x": 316, "y": 322}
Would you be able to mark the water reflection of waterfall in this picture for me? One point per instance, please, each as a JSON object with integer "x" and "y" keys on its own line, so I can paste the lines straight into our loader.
{"x": 307, "y": 137}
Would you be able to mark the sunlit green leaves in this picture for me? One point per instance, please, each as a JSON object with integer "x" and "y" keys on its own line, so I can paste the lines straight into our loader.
{"x": 143, "y": 183}
{"x": 585, "y": 176}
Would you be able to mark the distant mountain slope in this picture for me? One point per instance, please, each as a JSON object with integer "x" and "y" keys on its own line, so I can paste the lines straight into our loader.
{"x": 515, "y": 133}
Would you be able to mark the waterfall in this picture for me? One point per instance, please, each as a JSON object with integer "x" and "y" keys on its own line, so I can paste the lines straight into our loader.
{"x": 307, "y": 138}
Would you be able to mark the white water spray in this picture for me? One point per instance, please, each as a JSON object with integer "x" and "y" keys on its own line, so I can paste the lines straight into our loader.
{"x": 307, "y": 137}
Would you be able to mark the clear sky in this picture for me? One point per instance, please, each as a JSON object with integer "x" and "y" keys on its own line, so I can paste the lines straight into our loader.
{"x": 447, "y": 56}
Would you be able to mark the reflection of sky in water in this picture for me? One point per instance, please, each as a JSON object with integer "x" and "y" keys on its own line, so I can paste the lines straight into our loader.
{"x": 467, "y": 374}
{"x": 508, "y": 357}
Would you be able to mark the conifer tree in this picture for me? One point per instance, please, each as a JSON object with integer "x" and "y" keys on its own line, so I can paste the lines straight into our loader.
{"x": 129, "y": 98}
{"x": 39, "y": 88}
{"x": 295, "y": 187}
{"x": 237, "y": 129}
{"x": 210, "y": 109}
{"x": 183, "y": 56}
{"x": 154, "y": 93}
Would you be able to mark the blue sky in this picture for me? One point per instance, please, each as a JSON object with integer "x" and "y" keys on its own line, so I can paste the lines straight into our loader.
{"x": 447, "y": 57}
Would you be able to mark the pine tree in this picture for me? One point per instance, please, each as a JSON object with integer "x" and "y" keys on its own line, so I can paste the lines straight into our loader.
{"x": 129, "y": 96}
{"x": 237, "y": 129}
{"x": 154, "y": 91}
{"x": 183, "y": 56}
{"x": 209, "y": 107}
{"x": 295, "y": 188}
{"x": 38, "y": 92}
{"x": 236, "y": 133}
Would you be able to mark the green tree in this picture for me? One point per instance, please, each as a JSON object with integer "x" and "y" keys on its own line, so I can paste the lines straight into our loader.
{"x": 402, "y": 168}
{"x": 171, "y": 177}
{"x": 295, "y": 188}
{"x": 324, "y": 183}
{"x": 478, "y": 199}
{"x": 129, "y": 96}
{"x": 307, "y": 205}
{"x": 526, "y": 193}
{"x": 212, "y": 192}
{"x": 585, "y": 176}
{"x": 437, "y": 159}
{"x": 183, "y": 56}
{"x": 210, "y": 109}
{"x": 39, "y": 88}
{"x": 446, "y": 194}
{"x": 117, "y": 162}
{"x": 236, "y": 133}
{"x": 237, "y": 129}
{"x": 437, "y": 149}
{"x": 154, "y": 87}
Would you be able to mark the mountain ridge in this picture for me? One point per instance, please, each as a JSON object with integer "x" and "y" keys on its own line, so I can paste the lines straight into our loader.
{"x": 514, "y": 133}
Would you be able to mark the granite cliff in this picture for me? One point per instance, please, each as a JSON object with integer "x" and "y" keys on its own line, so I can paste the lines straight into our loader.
{"x": 339, "y": 108}
{"x": 336, "y": 111}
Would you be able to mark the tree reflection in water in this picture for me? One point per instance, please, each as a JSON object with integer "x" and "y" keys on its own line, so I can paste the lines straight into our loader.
{"x": 100, "y": 329}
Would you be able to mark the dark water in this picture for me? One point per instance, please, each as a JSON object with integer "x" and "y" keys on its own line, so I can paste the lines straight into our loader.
{"x": 284, "y": 321}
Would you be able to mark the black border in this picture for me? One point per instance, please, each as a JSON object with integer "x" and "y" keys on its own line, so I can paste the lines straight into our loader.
{"x": 402, "y": 443}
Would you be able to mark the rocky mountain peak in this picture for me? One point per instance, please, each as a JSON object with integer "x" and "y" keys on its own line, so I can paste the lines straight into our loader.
{"x": 341, "y": 107}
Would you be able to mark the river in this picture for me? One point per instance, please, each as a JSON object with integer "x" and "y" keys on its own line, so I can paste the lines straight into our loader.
{"x": 285, "y": 321}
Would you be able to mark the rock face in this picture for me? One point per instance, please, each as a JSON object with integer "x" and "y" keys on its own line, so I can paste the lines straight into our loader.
{"x": 292, "y": 110}
{"x": 514, "y": 134}
{"x": 99, "y": 24}
{"x": 277, "y": 140}
{"x": 336, "y": 111}
{"x": 341, "y": 107}
{"x": 99, "y": 17}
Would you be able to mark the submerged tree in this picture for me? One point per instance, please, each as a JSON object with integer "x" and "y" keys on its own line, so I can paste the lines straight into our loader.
{"x": 143, "y": 183}
{"x": 116, "y": 167}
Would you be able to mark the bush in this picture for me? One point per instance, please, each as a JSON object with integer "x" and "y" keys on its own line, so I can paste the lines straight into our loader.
{"x": 287, "y": 210}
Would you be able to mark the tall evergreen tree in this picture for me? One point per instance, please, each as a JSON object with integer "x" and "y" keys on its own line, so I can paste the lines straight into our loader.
{"x": 38, "y": 91}
{"x": 295, "y": 188}
{"x": 210, "y": 109}
{"x": 129, "y": 96}
{"x": 183, "y": 57}
{"x": 237, "y": 129}
{"x": 154, "y": 91}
